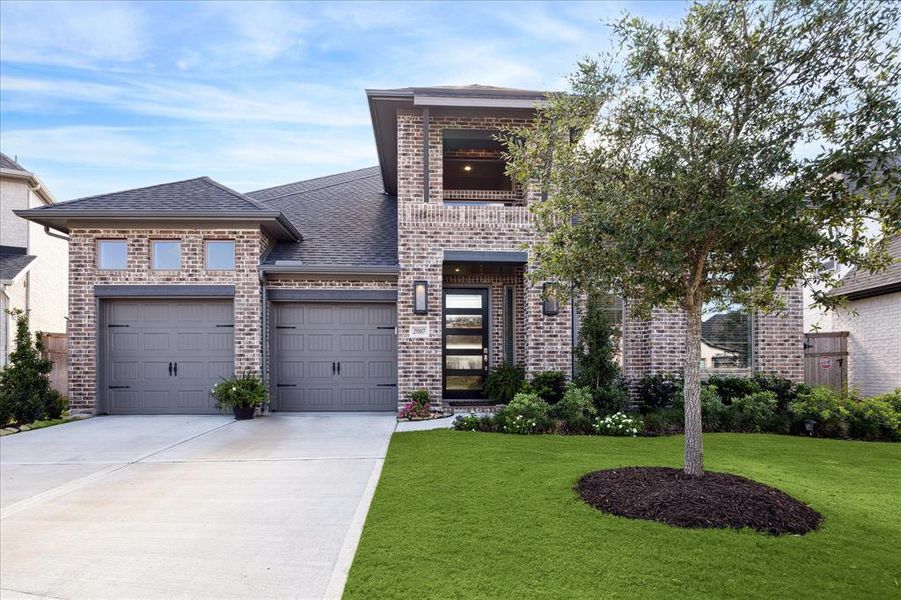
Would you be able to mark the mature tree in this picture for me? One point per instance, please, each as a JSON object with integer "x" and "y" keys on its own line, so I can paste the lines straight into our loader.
{"x": 720, "y": 159}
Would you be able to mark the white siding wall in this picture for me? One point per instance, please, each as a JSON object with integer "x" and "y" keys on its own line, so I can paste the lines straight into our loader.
{"x": 13, "y": 196}
{"x": 874, "y": 343}
{"x": 48, "y": 278}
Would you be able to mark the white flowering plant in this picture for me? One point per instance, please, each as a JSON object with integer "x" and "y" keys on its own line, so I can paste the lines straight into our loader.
{"x": 241, "y": 391}
{"x": 618, "y": 424}
{"x": 520, "y": 424}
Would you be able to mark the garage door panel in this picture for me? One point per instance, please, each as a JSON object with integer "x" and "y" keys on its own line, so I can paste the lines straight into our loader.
{"x": 352, "y": 342}
{"x": 121, "y": 341}
{"x": 320, "y": 342}
{"x": 155, "y": 370}
{"x": 148, "y": 336}
{"x": 308, "y": 338}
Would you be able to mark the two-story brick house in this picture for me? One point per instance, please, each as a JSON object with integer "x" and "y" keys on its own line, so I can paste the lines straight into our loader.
{"x": 346, "y": 291}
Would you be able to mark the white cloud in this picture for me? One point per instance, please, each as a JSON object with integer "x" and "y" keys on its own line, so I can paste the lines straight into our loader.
{"x": 68, "y": 33}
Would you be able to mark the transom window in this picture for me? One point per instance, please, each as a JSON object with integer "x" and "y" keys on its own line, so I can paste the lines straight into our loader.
{"x": 166, "y": 255}
{"x": 220, "y": 255}
{"x": 112, "y": 254}
{"x": 725, "y": 337}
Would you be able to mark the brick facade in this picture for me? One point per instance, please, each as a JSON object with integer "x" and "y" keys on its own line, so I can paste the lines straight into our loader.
{"x": 427, "y": 229}
{"x": 84, "y": 275}
{"x": 657, "y": 345}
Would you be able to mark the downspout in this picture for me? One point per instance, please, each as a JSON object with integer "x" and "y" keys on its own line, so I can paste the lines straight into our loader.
{"x": 46, "y": 227}
{"x": 264, "y": 367}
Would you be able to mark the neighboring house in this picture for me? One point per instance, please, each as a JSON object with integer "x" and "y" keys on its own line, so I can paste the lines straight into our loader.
{"x": 33, "y": 260}
{"x": 347, "y": 291}
{"x": 872, "y": 319}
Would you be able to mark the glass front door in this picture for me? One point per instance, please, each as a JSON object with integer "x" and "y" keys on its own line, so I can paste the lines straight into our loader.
{"x": 465, "y": 342}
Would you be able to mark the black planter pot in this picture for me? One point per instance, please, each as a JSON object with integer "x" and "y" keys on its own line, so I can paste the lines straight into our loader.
{"x": 243, "y": 412}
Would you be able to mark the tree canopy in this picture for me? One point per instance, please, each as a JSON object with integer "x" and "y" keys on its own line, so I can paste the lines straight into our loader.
{"x": 721, "y": 159}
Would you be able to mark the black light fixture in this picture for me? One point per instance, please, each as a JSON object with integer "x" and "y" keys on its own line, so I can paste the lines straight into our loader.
{"x": 420, "y": 297}
{"x": 550, "y": 304}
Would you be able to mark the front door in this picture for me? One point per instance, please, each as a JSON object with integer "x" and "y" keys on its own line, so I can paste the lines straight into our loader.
{"x": 465, "y": 342}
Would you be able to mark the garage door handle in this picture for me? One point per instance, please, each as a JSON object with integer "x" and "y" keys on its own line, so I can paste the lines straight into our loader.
{"x": 285, "y": 327}
{"x": 339, "y": 367}
{"x": 176, "y": 369}
{"x": 333, "y": 368}
{"x": 229, "y": 325}
{"x": 285, "y": 385}
{"x": 386, "y": 385}
{"x": 170, "y": 369}
{"x": 119, "y": 387}
{"x": 112, "y": 325}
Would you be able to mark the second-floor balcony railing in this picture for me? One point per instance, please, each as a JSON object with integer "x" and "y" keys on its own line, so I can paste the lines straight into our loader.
{"x": 484, "y": 197}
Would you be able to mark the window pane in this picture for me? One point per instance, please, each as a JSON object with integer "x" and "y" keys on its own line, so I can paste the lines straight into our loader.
{"x": 463, "y": 342}
{"x": 463, "y": 321}
{"x": 463, "y": 362}
{"x": 464, "y": 301}
{"x": 464, "y": 382}
{"x": 220, "y": 256}
{"x": 166, "y": 255}
{"x": 725, "y": 337}
{"x": 113, "y": 254}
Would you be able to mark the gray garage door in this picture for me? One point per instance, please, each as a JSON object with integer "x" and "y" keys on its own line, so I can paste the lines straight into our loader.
{"x": 163, "y": 356}
{"x": 339, "y": 357}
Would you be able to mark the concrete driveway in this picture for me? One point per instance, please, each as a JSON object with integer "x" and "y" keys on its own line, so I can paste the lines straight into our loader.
{"x": 187, "y": 506}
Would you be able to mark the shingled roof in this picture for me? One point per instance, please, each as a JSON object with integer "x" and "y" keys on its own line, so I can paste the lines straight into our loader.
{"x": 861, "y": 284}
{"x": 199, "y": 199}
{"x": 8, "y": 163}
{"x": 346, "y": 221}
{"x": 12, "y": 262}
{"x": 190, "y": 195}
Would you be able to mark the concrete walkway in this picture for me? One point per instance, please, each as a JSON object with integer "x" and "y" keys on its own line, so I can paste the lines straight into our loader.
{"x": 187, "y": 507}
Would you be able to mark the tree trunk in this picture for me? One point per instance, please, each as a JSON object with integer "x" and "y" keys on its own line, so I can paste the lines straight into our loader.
{"x": 694, "y": 448}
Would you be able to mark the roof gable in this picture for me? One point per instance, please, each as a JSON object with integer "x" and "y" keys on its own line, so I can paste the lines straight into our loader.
{"x": 861, "y": 284}
{"x": 8, "y": 163}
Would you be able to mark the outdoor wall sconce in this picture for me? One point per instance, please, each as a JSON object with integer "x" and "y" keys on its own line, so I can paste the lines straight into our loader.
{"x": 550, "y": 305}
{"x": 421, "y": 297}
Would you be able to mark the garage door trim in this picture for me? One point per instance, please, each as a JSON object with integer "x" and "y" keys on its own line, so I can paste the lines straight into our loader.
{"x": 284, "y": 295}
{"x": 164, "y": 291}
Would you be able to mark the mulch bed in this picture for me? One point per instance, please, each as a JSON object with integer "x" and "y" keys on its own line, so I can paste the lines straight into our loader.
{"x": 717, "y": 500}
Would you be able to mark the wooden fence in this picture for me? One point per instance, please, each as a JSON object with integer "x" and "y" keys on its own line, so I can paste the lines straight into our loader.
{"x": 826, "y": 359}
{"x": 55, "y": 349}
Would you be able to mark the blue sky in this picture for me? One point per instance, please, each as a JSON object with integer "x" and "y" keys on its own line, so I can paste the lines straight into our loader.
{"x": 103, "y": 96}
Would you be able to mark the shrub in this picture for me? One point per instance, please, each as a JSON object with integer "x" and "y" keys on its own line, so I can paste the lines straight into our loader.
{"x": 549, "y": 385}
{"x": 55, "y": 405}
{"x": 520, "y": 425}
{"x": 826, "y": 407}
{"x": 594, "y": 357}
{"x": 504, "y": 381}
{"x": 468, "y": 422}
{"x": 576, "y": 409}
{"x": 730, "y": 387}
{"x": 658, "y": 391}
{"x": 874, "y": 418}
{"x": 754, "y": 412}
{"x": 25, "y": 380}
{"x": 526, "y": 413}
{"x": 612, "y": 398}
{"x": 786, "y": 390}
{"x": 715, "y": 416}
{"x": 413, "y": 410}
{"x": 419, "y": 397}
{"x": 241, "y": 391}
{"x": 666, "y": 421}
{"x": 618, "y": 424}
{"x": 893, "y": 398}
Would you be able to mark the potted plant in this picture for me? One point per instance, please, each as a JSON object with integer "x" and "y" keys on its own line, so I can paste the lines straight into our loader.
{"x": 242, "y": 393}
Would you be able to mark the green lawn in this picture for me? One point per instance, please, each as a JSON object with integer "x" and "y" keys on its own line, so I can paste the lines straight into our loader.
{"x": 477, "y": 515}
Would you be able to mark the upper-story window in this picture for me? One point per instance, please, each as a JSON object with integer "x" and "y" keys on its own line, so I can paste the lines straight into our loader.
{"x": 725, "y": 337}
{"x": 473, "y": 168}
{"x": 220, "y": 255}
{"x": 165, "y": 255}
{"x": 112, "y": 255}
